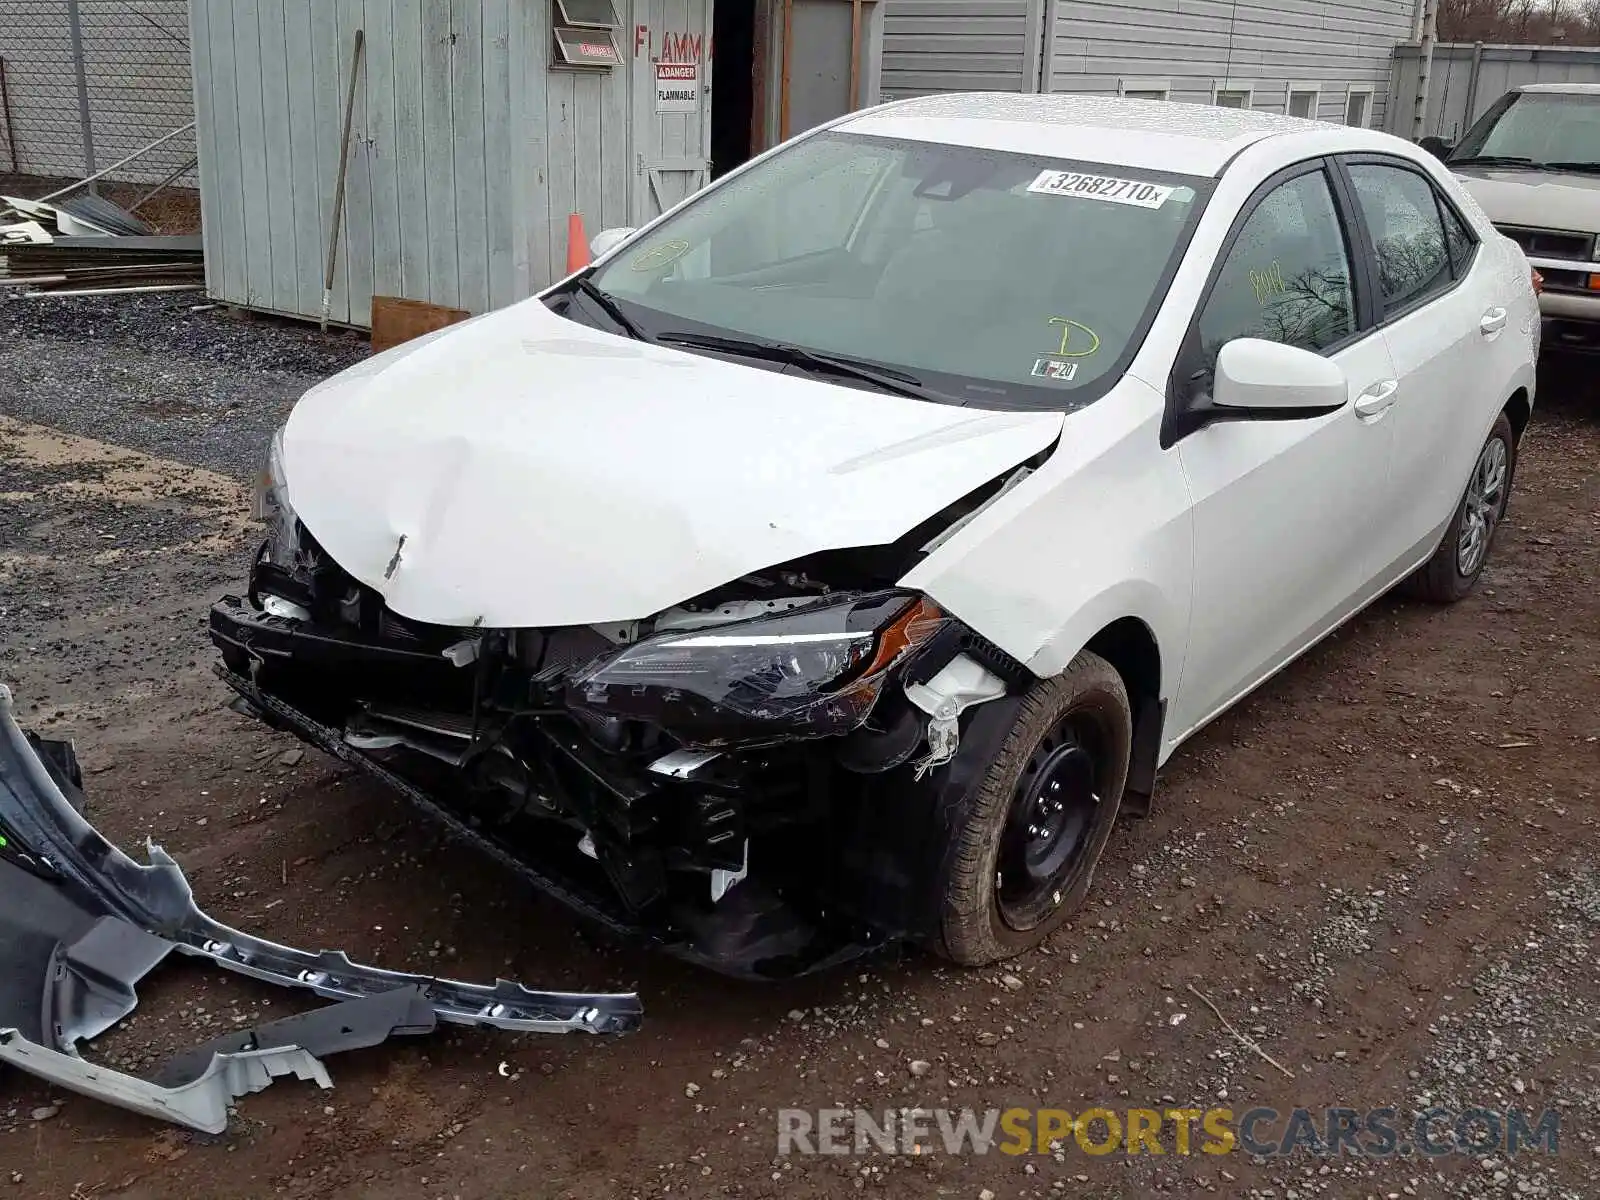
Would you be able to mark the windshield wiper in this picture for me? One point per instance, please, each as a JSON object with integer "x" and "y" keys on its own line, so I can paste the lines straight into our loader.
{"x": 1577, "y": 168}
{"x": 603, "y": 301}
{"x": 815, "y": 361}
{"x": 1496, "y": 160}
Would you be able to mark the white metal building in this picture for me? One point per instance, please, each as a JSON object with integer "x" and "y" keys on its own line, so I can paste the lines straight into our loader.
{"x": 480, "y": 125}
{"x": 1328, "y": 59}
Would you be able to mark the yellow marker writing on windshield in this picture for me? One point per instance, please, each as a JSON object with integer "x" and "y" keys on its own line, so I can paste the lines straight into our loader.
{"x": 1066, "y": 338}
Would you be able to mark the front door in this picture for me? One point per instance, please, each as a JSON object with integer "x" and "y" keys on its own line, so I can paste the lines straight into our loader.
{"x": 1286, "y": 513}
{"x": 671, "y": 103}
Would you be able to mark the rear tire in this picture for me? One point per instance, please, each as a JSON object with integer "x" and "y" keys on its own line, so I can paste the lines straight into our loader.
{"x": 1452, "y": 573}
{"x": 1021, "y": 857}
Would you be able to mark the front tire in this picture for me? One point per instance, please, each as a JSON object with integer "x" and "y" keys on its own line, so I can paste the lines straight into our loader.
{"x": 1452, "y": 573}
{"x": 1021, "y": 855}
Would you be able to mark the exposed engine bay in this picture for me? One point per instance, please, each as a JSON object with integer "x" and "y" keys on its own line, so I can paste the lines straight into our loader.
{"x": 750, "y": 779}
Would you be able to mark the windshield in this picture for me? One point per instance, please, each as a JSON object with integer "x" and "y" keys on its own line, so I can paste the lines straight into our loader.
{"x": 1539, "y": 128}
{"x": 983, "y": 276}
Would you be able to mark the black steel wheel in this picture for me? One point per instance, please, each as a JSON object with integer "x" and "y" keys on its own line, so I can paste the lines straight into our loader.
{"x": 1021, "y": 855}
{"x": 1048, "y": 833}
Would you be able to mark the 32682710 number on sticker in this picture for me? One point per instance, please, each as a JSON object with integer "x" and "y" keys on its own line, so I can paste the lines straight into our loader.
{"x": 1101, "y": 187}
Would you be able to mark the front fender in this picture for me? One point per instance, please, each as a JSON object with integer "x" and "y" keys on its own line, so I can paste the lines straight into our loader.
{"x": 1100, "y": 532}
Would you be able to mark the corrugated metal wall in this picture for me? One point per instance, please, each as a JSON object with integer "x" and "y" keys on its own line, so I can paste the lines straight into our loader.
{"x": 467, "y": 151}
{"x": 1465, "y": 80}
{"x": 1193, "y": 46}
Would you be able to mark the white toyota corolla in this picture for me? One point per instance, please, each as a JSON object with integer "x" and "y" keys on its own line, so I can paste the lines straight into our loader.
{"x": 834, "y": 559}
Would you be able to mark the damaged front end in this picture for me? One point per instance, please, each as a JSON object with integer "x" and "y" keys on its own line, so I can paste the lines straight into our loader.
{"x": 745, "y": 779}
{"x": 81, "y": 924}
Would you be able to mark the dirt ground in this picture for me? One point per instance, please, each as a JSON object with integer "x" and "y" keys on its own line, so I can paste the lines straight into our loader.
{"x": 1382, "y": 870}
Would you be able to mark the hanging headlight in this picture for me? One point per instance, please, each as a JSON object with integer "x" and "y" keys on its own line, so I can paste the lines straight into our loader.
{"x": 808, "y": 672}
{"x": 272, "y": 506}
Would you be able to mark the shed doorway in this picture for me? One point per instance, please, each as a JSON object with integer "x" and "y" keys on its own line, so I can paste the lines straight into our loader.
{"x": 733, "y": 94}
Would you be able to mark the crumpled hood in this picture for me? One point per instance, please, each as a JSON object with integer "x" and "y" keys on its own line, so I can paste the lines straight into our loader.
{"x": 1538, "y": 200}
{"x": 541, "y": 472}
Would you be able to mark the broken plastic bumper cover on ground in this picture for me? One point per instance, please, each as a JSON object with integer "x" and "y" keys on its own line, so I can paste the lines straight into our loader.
{"x": 81, "y": 924}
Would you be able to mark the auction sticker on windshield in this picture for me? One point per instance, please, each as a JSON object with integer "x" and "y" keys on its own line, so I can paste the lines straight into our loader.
{"x": 1101, "y": 187}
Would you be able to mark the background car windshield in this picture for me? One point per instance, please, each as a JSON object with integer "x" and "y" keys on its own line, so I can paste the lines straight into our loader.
{"x": 1542, "y": 126}
{"x": 985, "y": 275}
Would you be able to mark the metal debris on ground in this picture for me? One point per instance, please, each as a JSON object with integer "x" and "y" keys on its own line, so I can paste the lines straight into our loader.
{"x": 81, "y": 924}
{"x": 85, "y": 245}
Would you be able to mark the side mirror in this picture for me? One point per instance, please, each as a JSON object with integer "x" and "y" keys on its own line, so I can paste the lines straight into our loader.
{"x": 1264, "y": 380}
{"x": 608, "y": 239}
{"x": 1436, "y": 146}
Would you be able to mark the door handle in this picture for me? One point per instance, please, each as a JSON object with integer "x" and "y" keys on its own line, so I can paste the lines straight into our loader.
{"x": 1493, "y": 322}
{"x": 1376, "y": 400}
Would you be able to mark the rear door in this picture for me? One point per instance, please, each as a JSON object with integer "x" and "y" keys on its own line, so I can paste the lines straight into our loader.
{"x": 1447, "y": 329}
{"x": 671, "y": 103}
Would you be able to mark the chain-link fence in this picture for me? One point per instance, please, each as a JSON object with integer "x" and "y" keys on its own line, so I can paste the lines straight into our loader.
{"x": 84, "y": 83}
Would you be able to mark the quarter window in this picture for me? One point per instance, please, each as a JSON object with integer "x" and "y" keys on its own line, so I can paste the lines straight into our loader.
{"x": 1458, "y": 240}
{"x": 1403, "y": 218}
{"x": 1287, "y": 276}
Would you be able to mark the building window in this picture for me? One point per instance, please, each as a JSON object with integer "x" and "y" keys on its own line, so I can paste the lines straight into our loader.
{"x": 1230, "y": 93}
{"x": 1302, "y": 100}
{"x": 1144, "y": 89}
{"x": 1358, "y": 107}
{"x": 584, "y": 34}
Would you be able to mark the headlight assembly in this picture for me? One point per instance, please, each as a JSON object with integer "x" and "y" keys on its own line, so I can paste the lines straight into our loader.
{"x": 272, "y": 506}
{"x": 807, "y": 672}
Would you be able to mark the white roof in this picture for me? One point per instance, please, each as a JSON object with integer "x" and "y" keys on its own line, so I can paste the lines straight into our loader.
{"x": 1576, "y": 89}
{"x": 1190, "y": 139}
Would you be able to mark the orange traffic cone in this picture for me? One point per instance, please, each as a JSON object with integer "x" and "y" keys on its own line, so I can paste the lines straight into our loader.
{"x": 577, "y": 244}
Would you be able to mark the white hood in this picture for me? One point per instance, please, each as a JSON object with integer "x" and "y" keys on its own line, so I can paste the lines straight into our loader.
{"x": 545, "y": 473}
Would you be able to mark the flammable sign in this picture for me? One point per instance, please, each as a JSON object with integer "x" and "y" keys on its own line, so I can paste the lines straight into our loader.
{"x": 677, "y": 87}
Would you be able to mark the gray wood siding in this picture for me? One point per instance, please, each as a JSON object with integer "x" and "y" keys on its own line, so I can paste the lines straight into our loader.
{"x": 467, "y": 152}
{"x": 1196, "y": 44}
{"x": 960, "y": 46}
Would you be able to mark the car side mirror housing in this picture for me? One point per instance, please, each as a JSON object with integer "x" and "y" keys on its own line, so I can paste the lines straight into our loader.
{"x": 1436, "y": 146}
{"x": 1252, "y": 380}
{"x": 609, "y": 239}
{"x": 1261, "y": 380}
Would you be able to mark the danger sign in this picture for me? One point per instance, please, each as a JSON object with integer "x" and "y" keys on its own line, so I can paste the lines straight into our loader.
{"x": 677, "y": 87}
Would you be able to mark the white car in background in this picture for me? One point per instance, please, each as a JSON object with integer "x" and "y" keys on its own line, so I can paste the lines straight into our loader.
{"x": 835, "y": 558}
{"x": 1533, "y": 162}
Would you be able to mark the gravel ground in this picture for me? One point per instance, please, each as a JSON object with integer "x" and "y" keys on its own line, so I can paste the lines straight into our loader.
{"x": 1381, "y": 870}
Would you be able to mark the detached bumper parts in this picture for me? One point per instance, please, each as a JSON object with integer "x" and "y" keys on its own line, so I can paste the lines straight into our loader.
{"x": 81, "y": 924}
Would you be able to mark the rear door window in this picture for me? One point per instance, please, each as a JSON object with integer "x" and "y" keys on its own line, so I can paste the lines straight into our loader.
{"x": 1408, "y": 238}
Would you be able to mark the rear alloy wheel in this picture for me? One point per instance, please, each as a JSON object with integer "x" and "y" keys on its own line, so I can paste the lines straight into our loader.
{"x": 1452, "y": 573}
{"x": 1022, "y": 857}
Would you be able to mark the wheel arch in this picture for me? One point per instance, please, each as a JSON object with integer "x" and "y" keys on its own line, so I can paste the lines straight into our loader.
{"x": 1130, "y": 646}
{"x": 1519, "y": 411}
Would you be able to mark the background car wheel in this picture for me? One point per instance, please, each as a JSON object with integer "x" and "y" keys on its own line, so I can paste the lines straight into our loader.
{"x": 1452, "y": 572}
{"x": 1022, "y": 856}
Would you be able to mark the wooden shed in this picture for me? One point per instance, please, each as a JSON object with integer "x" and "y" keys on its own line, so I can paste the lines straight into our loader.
{"x": 478, "y": 126}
